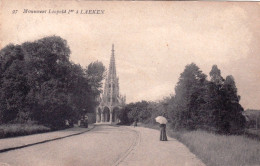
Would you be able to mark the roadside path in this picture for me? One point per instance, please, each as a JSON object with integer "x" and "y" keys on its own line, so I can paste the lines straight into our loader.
{"x": 150, "y": 151}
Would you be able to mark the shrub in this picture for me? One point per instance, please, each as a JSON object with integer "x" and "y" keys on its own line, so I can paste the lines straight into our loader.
{"x": 12, "y": 130}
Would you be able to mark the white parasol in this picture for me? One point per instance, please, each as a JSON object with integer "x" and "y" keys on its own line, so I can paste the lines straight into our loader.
{"x": 161, "y": 120}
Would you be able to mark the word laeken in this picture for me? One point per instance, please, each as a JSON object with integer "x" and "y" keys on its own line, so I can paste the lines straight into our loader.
{"x": 92, "y": 11}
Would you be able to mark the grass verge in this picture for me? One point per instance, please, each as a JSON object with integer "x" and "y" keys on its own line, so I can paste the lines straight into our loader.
{"x": 12, "y": 130}
{"x": 218, "y": 150}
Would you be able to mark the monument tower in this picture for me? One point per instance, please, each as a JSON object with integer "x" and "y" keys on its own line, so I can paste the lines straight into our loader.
{"x": 111, "y": 101}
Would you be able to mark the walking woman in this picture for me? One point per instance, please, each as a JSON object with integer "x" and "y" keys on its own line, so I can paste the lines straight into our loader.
{"x": 163, "y": 136}
{"x": 162, "y": 120}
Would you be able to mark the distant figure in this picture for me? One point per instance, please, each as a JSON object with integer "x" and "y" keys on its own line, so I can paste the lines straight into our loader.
{"x": 86, "y": 121}
{"x": 82, "y": 122}
{"x": 135, "y": 123}
{"x": 67, "y": 123}
{"x": 71, "y": 123}
{"x": 163, "y": 136}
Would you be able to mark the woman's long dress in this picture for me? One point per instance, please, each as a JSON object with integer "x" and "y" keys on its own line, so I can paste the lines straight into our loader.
{"x": 163, "y": 136}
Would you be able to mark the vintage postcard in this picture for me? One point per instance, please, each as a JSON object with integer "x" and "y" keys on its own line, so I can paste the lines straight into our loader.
{"x": 98, "y": 77}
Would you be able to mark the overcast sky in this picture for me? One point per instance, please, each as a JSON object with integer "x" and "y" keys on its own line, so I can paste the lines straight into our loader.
{"x": 153, "y": 40}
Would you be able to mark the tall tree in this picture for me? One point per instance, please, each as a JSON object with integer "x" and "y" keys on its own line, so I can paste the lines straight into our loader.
{"x": 189, "y": 97}
{"x": 233, "y": 109}
{"x": 225, "y": 112}
{"x": 215, "y": 100}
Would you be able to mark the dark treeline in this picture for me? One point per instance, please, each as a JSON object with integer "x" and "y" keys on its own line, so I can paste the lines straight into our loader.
{"x": 39, "y": 83}
{"x": 199, "y": 103}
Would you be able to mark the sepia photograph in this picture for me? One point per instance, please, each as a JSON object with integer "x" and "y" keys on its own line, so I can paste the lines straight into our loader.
{"x": 129, "y": 83}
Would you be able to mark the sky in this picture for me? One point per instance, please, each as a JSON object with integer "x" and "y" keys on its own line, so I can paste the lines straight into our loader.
{"x": 154, "y": 41}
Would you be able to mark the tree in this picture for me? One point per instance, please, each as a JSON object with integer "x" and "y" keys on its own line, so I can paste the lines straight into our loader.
{"x": 161, "y": 108}
{"x": 225, "y": 112}
{"x": 139, "y": 111}
{"x": 133, "y": 115}
{"x": 189, "y": 98}
{"x": 233, "y": 109}
{"x": 38, "y": 82}
{"x": 48, "y": 65}
{"x": 123, "y": 115}
{"x": 215, "y": 100}
{"x": 82, "y": 99}
{"x": 215, "y": 76}
{"x": 14, "y": 87}
{"x": 96, "y": 73}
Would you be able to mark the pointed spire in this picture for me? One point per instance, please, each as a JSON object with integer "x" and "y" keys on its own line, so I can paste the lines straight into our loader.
{"x": 111, "y": 93}
{"x": 112, "y": 54}
{"x": 112, "y": 60}
{"x": 113, "y": 49}
{"x": 112, "y": 65}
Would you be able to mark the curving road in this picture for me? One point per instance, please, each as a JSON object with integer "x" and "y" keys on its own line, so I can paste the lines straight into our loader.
{"x": 104, "y": 146}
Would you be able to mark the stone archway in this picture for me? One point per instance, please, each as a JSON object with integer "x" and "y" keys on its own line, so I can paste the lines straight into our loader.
{"x": 115, "y": 115}
{"x": 106, "y": 114}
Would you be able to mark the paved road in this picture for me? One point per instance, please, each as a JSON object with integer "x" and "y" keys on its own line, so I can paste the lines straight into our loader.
{"x": 104, "y": 146}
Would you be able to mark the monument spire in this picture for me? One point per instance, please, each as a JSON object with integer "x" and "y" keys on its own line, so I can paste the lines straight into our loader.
{"x": 108, "y": 109}
{"x": 113, "y": 49}
{"x": 112, "y": 65}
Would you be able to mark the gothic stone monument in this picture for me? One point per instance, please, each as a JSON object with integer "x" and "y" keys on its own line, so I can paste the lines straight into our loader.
{"x": 111, "y": 101}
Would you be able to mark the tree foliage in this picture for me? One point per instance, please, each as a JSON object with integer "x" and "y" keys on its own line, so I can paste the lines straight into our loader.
{"x": 96, "y": 73}
{"x": 38, "y": 82}
{"x": 198, "y": 103}
{"x": 189, "y": 98}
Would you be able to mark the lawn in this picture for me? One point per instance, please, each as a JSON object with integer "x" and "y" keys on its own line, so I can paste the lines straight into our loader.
{"x": 12, "y": 130}
{"x": 221, "y": 150}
